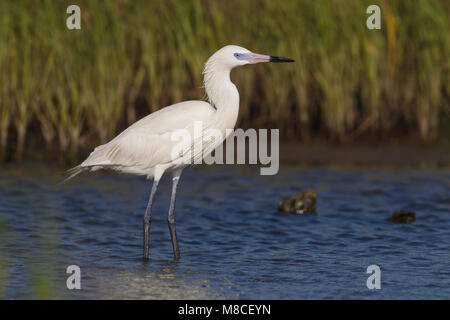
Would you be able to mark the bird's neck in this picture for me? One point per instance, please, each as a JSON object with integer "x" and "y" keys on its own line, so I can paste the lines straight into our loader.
{"x": 222, "y": 94}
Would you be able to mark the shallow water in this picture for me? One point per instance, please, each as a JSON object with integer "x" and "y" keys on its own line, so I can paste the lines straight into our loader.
{"x": 234, "y": 243}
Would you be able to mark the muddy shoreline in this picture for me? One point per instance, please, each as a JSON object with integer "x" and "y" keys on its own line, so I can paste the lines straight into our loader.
{"x": 320, "y": 153}
{"x": 403, "y": 154}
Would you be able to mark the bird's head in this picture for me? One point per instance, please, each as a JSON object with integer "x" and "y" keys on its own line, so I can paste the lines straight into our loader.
{"x": 217, "y": 69}
{"x": 232, "y": 56}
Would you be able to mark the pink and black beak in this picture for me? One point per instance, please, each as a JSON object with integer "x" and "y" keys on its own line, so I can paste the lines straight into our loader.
{"x": 280, "y": 59}
{"x": 257, "y": 58}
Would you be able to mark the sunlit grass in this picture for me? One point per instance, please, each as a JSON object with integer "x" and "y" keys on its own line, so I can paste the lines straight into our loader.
{"x": 65, "y": 89}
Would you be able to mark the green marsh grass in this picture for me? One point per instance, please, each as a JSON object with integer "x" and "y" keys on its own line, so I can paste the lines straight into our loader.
{"x": 68, "y": 90}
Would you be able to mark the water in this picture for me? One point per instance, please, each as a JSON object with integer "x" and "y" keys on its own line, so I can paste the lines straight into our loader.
{"x": 234, "y": 243}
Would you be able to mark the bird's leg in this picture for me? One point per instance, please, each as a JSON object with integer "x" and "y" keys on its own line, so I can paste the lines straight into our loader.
{"x": 148, "y": 218}
{"x": 171, "y": 216}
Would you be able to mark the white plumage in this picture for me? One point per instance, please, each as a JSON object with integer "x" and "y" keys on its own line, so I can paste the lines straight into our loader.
{"x": 145, "y": 148}
{"x": 148, "y": 143}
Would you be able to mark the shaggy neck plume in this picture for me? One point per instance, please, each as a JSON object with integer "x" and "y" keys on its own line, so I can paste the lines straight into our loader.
{"x": 221, "y": 92}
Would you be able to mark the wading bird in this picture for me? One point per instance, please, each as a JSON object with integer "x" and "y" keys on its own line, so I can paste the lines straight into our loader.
{"x": 146, "y": 147}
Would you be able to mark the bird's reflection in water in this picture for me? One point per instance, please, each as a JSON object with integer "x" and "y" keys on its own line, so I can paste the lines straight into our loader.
{"x": 163, "y": 283}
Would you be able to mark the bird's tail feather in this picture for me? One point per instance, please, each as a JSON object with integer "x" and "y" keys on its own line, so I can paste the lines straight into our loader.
{"x": 72, "y": 173}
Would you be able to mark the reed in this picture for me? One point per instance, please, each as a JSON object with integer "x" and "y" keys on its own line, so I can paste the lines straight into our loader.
{"x": 64, "y": 90}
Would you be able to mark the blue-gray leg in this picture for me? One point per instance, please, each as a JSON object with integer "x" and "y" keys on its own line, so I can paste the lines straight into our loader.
{"x": 171, "y": 216}
{"x": 148, "y": 218}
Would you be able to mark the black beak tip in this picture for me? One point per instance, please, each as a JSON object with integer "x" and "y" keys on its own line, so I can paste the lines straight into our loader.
{"x": 280, "y": 59}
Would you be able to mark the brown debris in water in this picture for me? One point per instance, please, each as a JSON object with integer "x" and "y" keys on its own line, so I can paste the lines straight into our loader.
{"x": 402, "y": 216}
{"x": 300, "y": 203}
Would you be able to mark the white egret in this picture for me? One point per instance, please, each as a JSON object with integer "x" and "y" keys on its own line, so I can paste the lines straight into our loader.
{"x": 146, "y": 147}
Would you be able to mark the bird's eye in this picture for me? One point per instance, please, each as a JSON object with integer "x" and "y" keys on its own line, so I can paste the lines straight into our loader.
{"x": 237, "y": 55}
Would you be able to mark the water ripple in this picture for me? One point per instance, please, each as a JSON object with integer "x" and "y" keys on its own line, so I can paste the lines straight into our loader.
{"x": 234, "y": 243}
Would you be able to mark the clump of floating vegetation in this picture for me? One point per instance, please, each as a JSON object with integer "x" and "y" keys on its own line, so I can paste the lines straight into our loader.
{"x": 63, "y": 89}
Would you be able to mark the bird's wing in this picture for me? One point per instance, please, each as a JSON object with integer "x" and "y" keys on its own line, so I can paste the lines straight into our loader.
{"x": 148, "y": 142}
